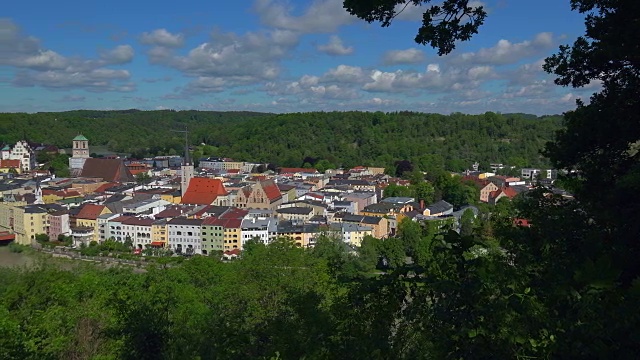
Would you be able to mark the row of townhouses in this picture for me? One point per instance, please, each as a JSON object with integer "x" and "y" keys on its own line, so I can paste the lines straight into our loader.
{"x": 217, "y": 207}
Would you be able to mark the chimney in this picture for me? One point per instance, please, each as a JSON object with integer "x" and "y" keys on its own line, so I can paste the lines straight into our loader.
{"x": 421, "y": 204}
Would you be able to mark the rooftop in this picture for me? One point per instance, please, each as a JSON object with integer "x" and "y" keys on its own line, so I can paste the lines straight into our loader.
{"x": 295, "y": 210}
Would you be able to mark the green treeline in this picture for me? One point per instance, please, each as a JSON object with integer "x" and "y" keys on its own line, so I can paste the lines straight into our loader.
{"x": 341, "y": 138}
{"x": 494, "y": 291}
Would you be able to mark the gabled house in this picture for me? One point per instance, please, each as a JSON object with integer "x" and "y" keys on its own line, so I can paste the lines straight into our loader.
{"x": 20, "y": 151}
{"x": 507, "y": 192}
{"x": 261, "y": 195}
{"x": 87, "y": 218}
{"x": 205, "y": 191}
{"x": 486, "y": 190}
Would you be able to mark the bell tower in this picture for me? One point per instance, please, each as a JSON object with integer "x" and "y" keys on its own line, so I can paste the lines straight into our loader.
{"x": 79, "y": 153}
{"x": 80, "y": 147}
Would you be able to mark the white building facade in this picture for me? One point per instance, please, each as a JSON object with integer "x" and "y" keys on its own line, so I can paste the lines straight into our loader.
{"x": 23, "y": 152}
{"x": 265, "y": 229}
{"x": 184, "y": 236}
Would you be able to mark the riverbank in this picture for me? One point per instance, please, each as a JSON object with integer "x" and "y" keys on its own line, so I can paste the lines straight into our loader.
{"x": 67, "y": 260}
{"x": 16, "y": 259}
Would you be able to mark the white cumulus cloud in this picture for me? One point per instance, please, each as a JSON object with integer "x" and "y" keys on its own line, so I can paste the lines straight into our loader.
{"x": 335, "y": 47}
{"x": 507, "y": 52}
{"x": 162, "y": 37}
{"x": 35, "y": 65}
{"x": 322, "y": 16}
{"x": 408, "y": 56}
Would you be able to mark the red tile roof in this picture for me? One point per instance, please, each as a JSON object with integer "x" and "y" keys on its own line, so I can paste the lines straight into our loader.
{"x": 107, "y": 169}
{"x": 203, "y": 191}
{"x": 138, "y": 221}
{"x": 90, "y": 211}
{"x": 230, "y": 223}
{"x": 509, "y": 192}
{"x": 297, "y": 170}
{"x": 8, "y": 164}
{"x": 521, "y": 222}
{"x": 234, "y": 213}
{"x": 135, "y": 172}
{"x": 271, "y": 190}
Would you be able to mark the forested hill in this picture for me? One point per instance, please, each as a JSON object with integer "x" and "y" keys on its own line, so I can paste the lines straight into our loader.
{"x": 342, "y": 138}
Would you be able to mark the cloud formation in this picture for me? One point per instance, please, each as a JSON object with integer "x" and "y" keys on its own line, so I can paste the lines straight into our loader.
{"x": 37, "y": 66}
{"x": 275, "y": 66}
{"x": 506, "y": 52}
{"x": 408, "y": 56}
{"x": 335, "y": 47}
{"x": 322, "y": 16}
{"x": 162, "y": 37}
{"x": 227, "y": 60}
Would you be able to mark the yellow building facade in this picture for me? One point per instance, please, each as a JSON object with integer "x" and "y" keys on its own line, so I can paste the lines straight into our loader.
{"x": 25, "y": 221}
{"x": 159, "y": 232}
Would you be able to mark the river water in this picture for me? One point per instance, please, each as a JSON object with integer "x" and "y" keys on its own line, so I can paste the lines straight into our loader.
{"x": 11, "y": 259}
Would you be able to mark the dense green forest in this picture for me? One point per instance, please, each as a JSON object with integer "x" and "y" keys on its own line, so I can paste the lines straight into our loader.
{"x": 493, "y": 291}
{"x": 341, "y": 138}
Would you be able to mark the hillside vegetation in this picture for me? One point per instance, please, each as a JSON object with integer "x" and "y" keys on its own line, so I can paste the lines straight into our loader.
{"x": 342, "y": 138}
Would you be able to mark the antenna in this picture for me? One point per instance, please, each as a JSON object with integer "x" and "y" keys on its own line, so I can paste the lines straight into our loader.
{"x": 186, "y": 144}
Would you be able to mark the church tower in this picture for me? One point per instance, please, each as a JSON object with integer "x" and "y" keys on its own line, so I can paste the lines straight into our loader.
{"x": 187, "y": 166}
{"x": 79, "y": 153}
{"x": 80, "y": 147}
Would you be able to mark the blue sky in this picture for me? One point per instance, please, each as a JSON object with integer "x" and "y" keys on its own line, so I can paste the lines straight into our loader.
{"x": 275, "y": 56}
